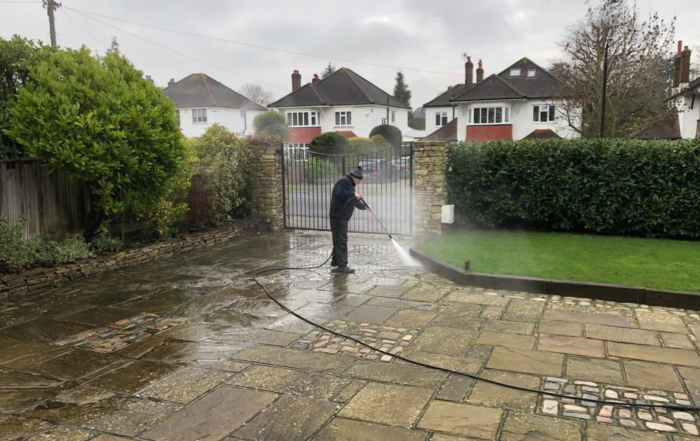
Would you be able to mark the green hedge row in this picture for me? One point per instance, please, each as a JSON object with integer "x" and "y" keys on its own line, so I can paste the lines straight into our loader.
{"x": 624, "y": 187}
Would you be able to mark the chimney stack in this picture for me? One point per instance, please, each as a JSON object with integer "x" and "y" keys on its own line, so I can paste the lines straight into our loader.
{"x": 171, "y": 82}
{"x": 469, "y": 72}
{"x": 316, "y": 79}
{"x": 685, "y": 66}
{"x": 148, "y": 77}
{"x": 480, "y": 73}
{"x": 296, "y": 81}
{"x": 677, "y": 66}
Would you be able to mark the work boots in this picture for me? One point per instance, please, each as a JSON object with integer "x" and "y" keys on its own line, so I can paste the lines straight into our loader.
{"x": 343, "y": 270}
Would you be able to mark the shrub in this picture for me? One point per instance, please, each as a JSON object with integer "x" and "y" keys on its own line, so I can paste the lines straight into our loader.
{"x": 106, "y": 242}
{"x": 316, "y": 168}
{"x": 271, "y": 123}
{"x": 390, "y": 133}
{"x": 223, "y": 169}
{"x": 612, "y": 186}
{"x": 329, "y": 143}
{"x": 57, "y": 250}
{"x": 14, "y": 251}
{"x": 172, "y": 206}
{"x": 375, "y": 144}
{"x": 102, "y": 123}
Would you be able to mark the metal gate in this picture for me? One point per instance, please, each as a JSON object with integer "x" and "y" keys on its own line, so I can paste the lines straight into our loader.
{"x": 308, "y": 179}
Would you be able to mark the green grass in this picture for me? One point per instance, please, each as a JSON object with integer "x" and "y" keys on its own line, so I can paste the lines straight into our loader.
{"x": 651, "y": 263}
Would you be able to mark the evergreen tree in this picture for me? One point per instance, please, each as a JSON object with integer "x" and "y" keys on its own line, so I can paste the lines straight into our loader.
{"x": 328, "y": 70}
{"x": 401, "y": 90}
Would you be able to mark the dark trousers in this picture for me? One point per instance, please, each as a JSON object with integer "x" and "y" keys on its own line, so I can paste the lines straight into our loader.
{"x": 339, "y": 228}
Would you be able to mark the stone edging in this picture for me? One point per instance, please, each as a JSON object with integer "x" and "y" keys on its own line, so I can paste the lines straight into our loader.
{"x": 40, "y": 278}
{"x": 597, "y": 291}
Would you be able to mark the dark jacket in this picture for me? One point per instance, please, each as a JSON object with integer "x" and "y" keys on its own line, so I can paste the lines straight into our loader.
{"x": 343, "y": 190}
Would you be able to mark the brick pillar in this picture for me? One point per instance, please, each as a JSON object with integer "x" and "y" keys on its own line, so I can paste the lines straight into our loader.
{"x": 266, "y": 183}
{"x": 429, "y": 181}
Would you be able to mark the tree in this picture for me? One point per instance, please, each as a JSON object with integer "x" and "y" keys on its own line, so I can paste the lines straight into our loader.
{"x": 391, "y": 133}
{"x": 271, "y": 123}
{"x": 102, "y": 123}
{"x": 401, "y": 91}
{"x": 16, "y": 58}
{"x": 329, "y": 143}
{"x": 328, "y": 70}
{"x": 257, "y": 94}
{"x": 639, "y": 64}
{"x": 114, "y": 47}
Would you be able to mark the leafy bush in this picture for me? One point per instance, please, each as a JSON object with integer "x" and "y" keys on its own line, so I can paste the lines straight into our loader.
{"x": 57, "y": 250}
{"x": 102, "y": 123}
{"x": 106, "y": 242}
{"x": 14, "y": 251}
{"x": 329, "y": 143}
{"x": 375, "y": 144}
{"x": 223, "y": 169}
{"x": 271, "y": 123}
{"x": 390, "y": 133}
{"x": 171, "y": 207}
{"x": 316, "y": 168}
{"x": 612, "y": 186}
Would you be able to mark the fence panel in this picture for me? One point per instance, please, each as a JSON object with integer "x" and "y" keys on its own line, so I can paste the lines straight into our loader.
{"x": 49, "y": 202}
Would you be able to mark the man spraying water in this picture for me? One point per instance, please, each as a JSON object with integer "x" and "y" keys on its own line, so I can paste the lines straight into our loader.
{"x": 342, "y": 208}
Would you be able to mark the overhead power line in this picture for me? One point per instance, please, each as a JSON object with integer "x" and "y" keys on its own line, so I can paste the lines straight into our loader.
{"x": 84, "y": 30}
{"x": 257, "y": 46}
{"x": 175, "y": 51}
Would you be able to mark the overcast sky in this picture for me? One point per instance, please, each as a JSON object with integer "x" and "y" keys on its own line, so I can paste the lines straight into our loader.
{"x": 427, "y": 35}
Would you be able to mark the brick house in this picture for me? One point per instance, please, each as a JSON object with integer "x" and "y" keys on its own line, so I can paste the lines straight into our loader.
{"x": 343, "y": 102}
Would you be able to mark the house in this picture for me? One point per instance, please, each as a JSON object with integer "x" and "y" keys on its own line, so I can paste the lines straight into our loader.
{"x": 441, "y": 110}
{"x": 520, "y": 102}
{"x": 343, "y": 102}
{"x": 686, "y": 95}
{"x": 202, "y": 101}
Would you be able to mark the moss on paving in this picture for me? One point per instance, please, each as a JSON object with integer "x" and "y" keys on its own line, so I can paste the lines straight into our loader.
{"x": 651, "y": 263}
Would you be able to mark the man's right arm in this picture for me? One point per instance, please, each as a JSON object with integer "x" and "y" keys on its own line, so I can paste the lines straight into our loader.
{"x": 345, "y": 190}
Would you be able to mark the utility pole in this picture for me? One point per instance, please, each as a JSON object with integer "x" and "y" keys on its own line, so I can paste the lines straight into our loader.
{"x": 605, "y": 92}
{"x": 51, "y": 6}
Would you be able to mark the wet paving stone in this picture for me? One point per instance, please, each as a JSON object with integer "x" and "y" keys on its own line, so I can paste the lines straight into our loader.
{"x": 425, "y": 292}
{"x": 133, "y": 377}
{"x": 254, "y": 335}
{"x": 174, "y": 351}
{"x": 16, "y": 428}
{"x": 224, "y": 410}
{"x": 292, "y": 382}
{"x": 591, "y": 318}
{"x": 571, "y": 345}
{"x": 490, "y": 395}
{"x": 78, "y": 364}
{"x": 289, "y": 418}
{"x": 411, "y": 319}
{"x": 645, "y": 374}
{"x": 506, "y": 340}
{"x": 393, "y": 405}
{"x": 371, "y": 314}
{"x": 622, "y": 335}
{"x": 649, "y": 353}
{"x": 10, "y": 380}
{"x": 293, "y": 358}
{"x": 462, "y": 419}
{"x": 97, "y": 317}
{"x": 29, "y": 354}
{"x": 557, "y": 327}
{"x": 185, "y": 385}
{"x": 388, "y": 291}
{"x": 291, "y": 324}
{"x": 471, "y": 363}
{"x": 17, "y": 400}
{"x": 341, "y": 429}
{"x": 193, "y": 332}
{"x": 476, "y": 299}
{"x": 606, "y": 432}
{"x": 509, "y": 327}
{"x": 445, "y": 340}
{"x": 607, "y": 371}
{"x": 524, "y": 427}
{"x": 396, "y": 373}
{"x": 44, "y": 330}
{"x": 125, "y": 416}
{"x": 64, "y": 433}
{"x": 158, "y": 302}
{"x": 526, "y": 361}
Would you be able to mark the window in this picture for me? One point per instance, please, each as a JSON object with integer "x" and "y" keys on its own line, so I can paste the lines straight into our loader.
{"x": 393, "y": 116}
{"x": 178, "y": 118}
{"x": 489, "y": 115}
{"x": 515, "y": 72}
{"x": 297, "y": 152}
{"x": 199, "y": 116}
{"x": 543, "y": 113}
{"x": 302, "y": 119}
{"x": 343, "y": 118}
{"x": 531, "y": 73}
{"x": 441, "y": 119}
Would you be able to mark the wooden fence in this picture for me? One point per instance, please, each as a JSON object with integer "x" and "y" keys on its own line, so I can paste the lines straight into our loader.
{"x": 49, "y": 202}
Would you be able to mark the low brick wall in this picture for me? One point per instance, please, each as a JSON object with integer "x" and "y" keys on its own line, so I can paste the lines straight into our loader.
{"x": 40, "y": 278}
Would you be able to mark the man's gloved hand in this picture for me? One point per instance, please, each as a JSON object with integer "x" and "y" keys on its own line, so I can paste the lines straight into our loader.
{"x": 358, "y": 196}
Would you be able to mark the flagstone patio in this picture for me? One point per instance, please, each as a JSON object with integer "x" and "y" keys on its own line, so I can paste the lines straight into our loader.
{"x": 187, "y": 348}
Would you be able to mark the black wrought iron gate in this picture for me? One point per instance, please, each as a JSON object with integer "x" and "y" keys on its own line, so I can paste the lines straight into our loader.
{"x": 308, "y": 180}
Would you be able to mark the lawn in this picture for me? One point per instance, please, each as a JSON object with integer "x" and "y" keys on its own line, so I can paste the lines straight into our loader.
{"x": 651, "y": 263}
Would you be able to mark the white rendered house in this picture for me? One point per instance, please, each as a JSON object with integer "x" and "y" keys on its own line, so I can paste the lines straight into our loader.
{"x": 202, "y": 101}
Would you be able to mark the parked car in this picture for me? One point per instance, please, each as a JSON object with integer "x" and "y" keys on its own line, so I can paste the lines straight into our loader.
{"x": 372, "y": 165}
{"x": 401, "y": 162}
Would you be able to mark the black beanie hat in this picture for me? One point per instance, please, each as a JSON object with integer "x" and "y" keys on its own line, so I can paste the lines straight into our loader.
{"x": 357, "y": 173}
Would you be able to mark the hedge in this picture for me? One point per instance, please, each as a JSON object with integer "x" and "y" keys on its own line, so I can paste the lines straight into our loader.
{"x": 623, "y": 187}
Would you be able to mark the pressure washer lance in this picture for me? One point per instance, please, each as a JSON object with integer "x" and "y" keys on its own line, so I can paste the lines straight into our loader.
{"x": 377, "y": 219}
{"x": 638, "y": 404}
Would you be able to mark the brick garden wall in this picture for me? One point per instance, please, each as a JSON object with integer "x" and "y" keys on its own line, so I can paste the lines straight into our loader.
{"x": 430, "y": 189}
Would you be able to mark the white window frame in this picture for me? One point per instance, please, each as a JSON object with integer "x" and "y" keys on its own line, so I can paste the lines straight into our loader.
{"x": 343, "y": 118}
{"x": 303, "y": 119}
{"x": 393, "y": 116}
{"x": 441, "y": 119}
{"x": 537, "y": 111}
{"x": 515, "y": 72}
{"x": 492, "y": 114}
{"x": 531, "y": 73}
{"x": 297, "y": 152}
{"x": 199, "y": 116}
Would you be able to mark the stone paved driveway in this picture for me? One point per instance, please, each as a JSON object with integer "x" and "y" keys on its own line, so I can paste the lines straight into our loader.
{"x": 186, "y": 348}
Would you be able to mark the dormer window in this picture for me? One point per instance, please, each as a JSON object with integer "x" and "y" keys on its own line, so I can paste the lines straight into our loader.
{"x": 531, "y": 73}
{"x": 515, "y": 72}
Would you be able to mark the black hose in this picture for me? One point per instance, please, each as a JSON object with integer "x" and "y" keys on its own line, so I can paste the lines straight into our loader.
{"x": 441, "y": 369}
